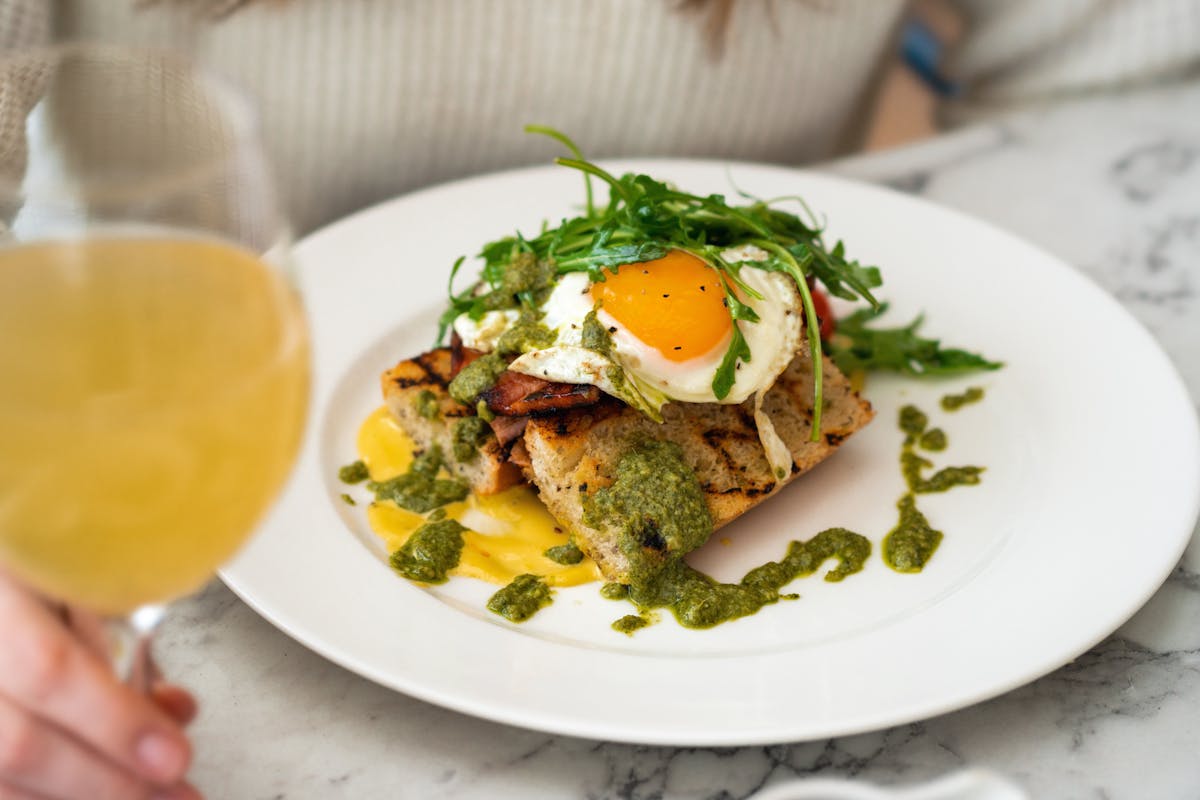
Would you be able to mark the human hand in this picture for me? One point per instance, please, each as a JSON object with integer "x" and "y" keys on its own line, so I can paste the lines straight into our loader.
{"x": 68, "y": 728}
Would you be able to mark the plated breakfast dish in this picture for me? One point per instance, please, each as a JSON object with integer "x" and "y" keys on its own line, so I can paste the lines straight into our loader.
{"x": 619, "y": 386}
{"x": 995, "y": 606}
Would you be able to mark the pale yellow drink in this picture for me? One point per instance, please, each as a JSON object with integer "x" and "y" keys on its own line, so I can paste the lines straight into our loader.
{"x": 152, "y": 398}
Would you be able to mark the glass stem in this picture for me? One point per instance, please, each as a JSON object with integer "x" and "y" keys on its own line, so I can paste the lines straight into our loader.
{"x": 129, "y": 643}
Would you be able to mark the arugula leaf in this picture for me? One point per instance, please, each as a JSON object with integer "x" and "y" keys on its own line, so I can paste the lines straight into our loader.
{"x": 848, "y": 280}
{"x": 854, "y": 346}
{"x": 600, "y": 257}
{"x": 738, "y": 351}
{"x": 566, "y": 142}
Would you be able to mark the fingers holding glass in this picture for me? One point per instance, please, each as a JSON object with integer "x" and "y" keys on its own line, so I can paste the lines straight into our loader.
{"x": 50, "y": 681}
{"x": 39, "y": 760}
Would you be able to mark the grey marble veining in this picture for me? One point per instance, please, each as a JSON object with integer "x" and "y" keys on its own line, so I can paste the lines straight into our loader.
{"x": 1112, "y": 185}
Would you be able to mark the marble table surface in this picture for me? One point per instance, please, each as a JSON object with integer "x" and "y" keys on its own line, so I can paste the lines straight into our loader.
{"x": 1111, "y": 185}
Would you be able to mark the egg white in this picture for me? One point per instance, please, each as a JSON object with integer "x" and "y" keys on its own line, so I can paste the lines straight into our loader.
{"x": 773, "y": 342}
{"x": 483, "y": 333}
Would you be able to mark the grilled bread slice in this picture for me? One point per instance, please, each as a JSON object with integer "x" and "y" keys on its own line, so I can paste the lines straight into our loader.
{"x": 576, "y": 453}
{"x": 429, "y": 420}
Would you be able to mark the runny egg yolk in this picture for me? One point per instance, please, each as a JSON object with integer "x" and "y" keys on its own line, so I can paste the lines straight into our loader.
{"x": 674, "y": 304}
{"x": 508, "y": 533}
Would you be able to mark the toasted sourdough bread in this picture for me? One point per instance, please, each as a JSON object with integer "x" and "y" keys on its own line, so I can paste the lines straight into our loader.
{"x": 490, "y": 471}
{"x": 575, "y": 454}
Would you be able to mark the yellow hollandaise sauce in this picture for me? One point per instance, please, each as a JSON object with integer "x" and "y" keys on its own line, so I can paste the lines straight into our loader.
{"x": 507, "y": 533}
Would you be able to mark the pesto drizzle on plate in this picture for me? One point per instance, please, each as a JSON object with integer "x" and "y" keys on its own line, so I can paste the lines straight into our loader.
{"x": 909, "y": 546}
{"x": 420, "y": 489}
{"x": 698, "y": 601}
{"x": 656, "y": 503}
{"x": 431, "y": 552}
{"x": 523, "y": 597}
{"x": 565, "y": 554}
{"x": 953, "y": 402}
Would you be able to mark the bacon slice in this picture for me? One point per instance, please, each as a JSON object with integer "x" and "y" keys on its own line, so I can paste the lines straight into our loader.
{"x": 508, "y": 428}
{"x": 516, "y": 395}
{"x": 519, "y": 455}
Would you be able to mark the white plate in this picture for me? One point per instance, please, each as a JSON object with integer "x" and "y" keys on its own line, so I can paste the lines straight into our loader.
{"x": 1091, "y": 491}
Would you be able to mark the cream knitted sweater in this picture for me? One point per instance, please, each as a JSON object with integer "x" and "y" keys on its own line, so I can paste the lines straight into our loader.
{"x": 364, "y": 99}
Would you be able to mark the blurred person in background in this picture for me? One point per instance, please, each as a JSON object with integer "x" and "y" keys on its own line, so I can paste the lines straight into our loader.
{"x": 362, "y": 100}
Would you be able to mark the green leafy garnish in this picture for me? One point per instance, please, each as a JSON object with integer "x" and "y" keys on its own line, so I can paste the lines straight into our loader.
{"x": 855, "y": 347}
{"x": 643, "y": 220}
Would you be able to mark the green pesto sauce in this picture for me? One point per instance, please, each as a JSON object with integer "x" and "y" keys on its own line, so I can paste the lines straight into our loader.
{"x": 348, "y": 500}
{"x": 353, "y": 473}
{"x": 431, "y": 551}
{"x": 630, "y": 623}
{"x": 911, "y": 467}
{"x": 476, "y": 378}
{"x": 526, "y": 334}
{"x": 953, "y": 402}
{"x": 948, "y": 477}
{"x": 656, "y": 505}
{"x": 934, "y": 440}
{"x": 614, "y": 591}
{"x": 594, "y": 336}
{"x": 598, "y": 338}
{"x": 698, "y": 601}
{"x": 914, "y": 423}
{"x": 910, "y": 545}
{"x": 524, "y": 275}
{"x": 426, "y": 405}
{"x": 565, "y": 554}
{"x": 521, "y": 599}
{"x": 420, "y": 489}
{"x": 466, "y": 436}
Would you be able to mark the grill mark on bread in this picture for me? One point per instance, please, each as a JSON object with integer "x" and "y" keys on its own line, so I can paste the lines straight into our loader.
{"x": 718, "y": 436}
{"x": 489, "y": 471}
{"x": 748, "y": 491}
{"x": 715, "y": 439}
{"x": 747, "y": 419}
{"x": 435, "y": 376}
{"x": 406, "y": 382}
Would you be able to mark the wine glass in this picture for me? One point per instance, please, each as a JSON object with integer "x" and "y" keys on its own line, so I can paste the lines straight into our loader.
{"x": 153, "y": 354}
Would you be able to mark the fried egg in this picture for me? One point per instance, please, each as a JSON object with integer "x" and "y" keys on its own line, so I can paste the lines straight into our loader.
{"x": 483, "y": 333}
{"x": 670, "y": 329}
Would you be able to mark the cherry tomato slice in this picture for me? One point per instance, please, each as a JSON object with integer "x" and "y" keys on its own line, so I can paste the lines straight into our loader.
{"x": 824, "y": 312}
